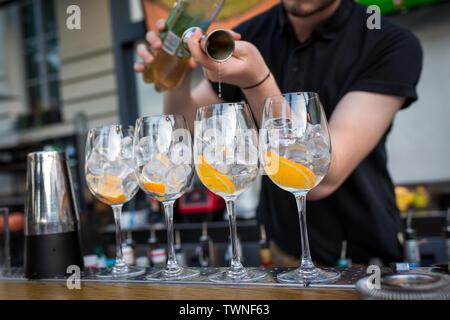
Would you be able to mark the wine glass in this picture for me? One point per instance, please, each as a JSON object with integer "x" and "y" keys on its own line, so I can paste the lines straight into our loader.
{"x": 295, "y": 152}
{"x": 226, "y": 160}
{"x": 163, "y": 151}
{"x": 110, "y": 177}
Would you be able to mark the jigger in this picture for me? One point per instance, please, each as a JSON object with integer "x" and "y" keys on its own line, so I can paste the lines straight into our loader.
{"x": 52, "y": 241}
{"x": 218, "y": 44}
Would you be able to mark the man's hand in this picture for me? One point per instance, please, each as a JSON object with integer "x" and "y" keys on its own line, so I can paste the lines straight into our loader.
{"x": 155, "y": 42}
{"x": 245, "y": 68}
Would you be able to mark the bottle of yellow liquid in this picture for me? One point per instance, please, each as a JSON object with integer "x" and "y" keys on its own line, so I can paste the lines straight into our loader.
{"x": 171, "y": 60}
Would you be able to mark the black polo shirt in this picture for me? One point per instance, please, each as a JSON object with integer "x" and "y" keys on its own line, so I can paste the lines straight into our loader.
{"x": 342, "y": 55}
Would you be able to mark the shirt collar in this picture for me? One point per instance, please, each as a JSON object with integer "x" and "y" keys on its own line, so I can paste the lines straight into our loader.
{"x": 330, "y": 27}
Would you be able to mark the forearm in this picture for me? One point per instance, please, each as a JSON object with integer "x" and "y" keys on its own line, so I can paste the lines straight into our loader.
{"x": 331, "y": 181}
{"x": 256, "y": 96}
{"x": 356, "y": 126}
{"x": 180, "y": 100}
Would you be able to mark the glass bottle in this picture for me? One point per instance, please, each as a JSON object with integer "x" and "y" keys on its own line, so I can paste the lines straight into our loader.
{"x": 179, "y": 252}
{"x": 171, "y": 60}
{"x": 152, "y": 244}
{"x": 265, "y": 254}
{"x": 204, "y": 248}
{"x": 411, "y": 248}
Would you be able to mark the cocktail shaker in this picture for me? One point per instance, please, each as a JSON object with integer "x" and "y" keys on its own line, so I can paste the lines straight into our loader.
{"x": 52, "y": 241}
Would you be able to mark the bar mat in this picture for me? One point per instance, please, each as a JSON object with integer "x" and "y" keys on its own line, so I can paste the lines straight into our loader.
{"x": 348, "y": 279}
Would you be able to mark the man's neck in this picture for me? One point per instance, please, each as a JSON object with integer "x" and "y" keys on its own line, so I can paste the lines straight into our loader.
{"x": 304, "y": 26}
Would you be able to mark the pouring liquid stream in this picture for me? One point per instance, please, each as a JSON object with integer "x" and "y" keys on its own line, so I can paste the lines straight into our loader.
{"x": 220, "y": 80}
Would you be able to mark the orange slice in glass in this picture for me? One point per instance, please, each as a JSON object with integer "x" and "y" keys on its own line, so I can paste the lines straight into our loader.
{"x": 289, "y": 174}
{"x": 109, "y": 188}
{"x": 213, "y": 179}
{"x": 158, "y": 188}
{"x": 119, "y": 199}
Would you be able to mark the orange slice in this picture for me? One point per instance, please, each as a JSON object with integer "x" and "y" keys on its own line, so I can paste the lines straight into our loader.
{"x": 108, "y": 187}
{"x": 158, "y": 188}
{"x": 155, "y": 187}
{"x": 287, "y": 173}
{"x": 213, "y": 179}
{"x": 119, "y": 199}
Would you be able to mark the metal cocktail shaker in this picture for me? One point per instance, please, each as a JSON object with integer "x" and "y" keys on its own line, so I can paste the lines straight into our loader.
{"x": 52, "y": 241}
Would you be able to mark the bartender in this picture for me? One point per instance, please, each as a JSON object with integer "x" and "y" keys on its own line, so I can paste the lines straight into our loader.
{"x": 363, "y": 77}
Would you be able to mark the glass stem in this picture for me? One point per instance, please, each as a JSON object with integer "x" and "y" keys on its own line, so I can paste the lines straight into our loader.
{"x": 120, "y": 266}
{"x": 306, "y": 262}
{"x": 172, "y": 267}
{"x": 236, "y": 269}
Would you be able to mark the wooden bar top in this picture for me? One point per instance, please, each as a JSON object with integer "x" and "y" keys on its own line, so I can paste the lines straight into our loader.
{"x": 37, "y": 290}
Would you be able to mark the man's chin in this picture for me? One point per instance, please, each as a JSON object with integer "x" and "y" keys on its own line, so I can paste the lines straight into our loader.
{"x": 303, "y": 10}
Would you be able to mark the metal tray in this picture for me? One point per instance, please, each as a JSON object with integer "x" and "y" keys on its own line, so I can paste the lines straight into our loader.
{"x": 347, "y": 280}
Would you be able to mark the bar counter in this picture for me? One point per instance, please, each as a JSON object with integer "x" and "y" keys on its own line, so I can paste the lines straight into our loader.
{"x": 17, "y": 287}
{"x": 109, "y": 291}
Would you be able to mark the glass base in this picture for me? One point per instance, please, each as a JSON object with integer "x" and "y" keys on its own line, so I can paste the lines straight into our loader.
{"x": 249, "y": 274}
{"x": 307, "y": 276}
{"x": 163, "y": 275}
{"x": 127, "y": 272}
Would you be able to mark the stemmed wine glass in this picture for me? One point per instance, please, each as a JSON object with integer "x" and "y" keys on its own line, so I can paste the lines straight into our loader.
{"x": 109, "y": 170}
{"x": 295, "y": 152}
{"x": 226, "y": 160}
{"x": 163, "y": 151}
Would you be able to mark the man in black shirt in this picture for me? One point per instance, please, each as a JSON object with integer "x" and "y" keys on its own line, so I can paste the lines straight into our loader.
{"x": 363, "y": 77}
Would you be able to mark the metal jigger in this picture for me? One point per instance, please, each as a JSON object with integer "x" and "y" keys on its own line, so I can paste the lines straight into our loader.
{"x": 52, "y": 241}
{"x": 218, "y": 44}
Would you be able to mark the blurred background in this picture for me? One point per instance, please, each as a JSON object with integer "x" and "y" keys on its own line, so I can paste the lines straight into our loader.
{"x": 56, "y": 83}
